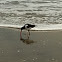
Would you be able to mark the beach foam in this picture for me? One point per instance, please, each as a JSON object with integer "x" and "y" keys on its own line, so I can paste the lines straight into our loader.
{"x": 38, "y": 26}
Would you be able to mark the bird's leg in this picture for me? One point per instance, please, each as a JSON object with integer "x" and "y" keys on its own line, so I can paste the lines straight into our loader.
{"x": 28, "y": 34}
{"x": 20, "y": 35}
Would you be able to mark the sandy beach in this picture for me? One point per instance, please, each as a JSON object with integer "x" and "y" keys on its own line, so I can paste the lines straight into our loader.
{"x": 42, "y": 46}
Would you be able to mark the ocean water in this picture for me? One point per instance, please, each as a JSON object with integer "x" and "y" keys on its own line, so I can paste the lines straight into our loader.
{"x": 46, "y": 14}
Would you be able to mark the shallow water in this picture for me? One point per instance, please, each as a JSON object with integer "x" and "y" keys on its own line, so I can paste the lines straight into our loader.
{"x": 45, "y": 46}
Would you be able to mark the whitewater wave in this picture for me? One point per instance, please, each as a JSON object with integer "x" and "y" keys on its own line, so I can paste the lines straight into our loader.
{"x": 39, "y": 27}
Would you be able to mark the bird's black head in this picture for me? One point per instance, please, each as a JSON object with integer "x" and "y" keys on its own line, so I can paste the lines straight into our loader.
{"x": 22, "y": 28}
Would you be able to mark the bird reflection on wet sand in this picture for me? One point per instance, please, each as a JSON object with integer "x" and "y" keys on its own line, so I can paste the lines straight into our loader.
{"x": 27, "y": 41}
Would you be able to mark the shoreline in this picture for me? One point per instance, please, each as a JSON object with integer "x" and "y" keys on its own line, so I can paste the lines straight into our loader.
{"x": 18, "y": 29}
{"x": 13, "y": 28}
{"x": 39, "y": 27}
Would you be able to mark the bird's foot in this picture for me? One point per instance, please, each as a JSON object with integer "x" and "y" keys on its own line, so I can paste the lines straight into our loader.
{"x": 28, "y": 37}
{"x": 20, "y": 38}
{"x": 29, "y": 34}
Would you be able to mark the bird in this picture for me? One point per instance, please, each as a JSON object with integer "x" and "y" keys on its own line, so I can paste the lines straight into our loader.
{"x": 26, "y": 27}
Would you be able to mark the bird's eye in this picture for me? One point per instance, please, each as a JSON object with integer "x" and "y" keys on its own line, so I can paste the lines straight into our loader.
{"x": 26, "y": 26}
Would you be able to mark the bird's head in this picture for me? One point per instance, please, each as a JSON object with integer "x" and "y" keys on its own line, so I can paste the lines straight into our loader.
{"x": 22, "y": 28}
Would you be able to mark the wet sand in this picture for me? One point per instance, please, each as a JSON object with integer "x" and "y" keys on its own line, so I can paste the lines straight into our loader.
{"x": 42, "y": 46}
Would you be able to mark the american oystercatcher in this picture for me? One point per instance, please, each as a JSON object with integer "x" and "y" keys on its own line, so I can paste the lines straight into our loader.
{"x": 26, "y": 27}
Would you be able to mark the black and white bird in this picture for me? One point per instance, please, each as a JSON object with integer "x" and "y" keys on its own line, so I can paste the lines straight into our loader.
{"x": 26, "y": 27}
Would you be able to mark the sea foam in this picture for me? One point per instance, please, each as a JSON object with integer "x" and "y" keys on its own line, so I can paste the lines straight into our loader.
{"x": 38, "y": 27}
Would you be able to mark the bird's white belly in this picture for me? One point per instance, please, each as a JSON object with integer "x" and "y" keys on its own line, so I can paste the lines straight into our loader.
{"x": 28, "y": 28}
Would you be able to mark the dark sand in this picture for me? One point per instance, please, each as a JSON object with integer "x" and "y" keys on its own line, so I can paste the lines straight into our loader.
{"x": 40, "y": 47}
